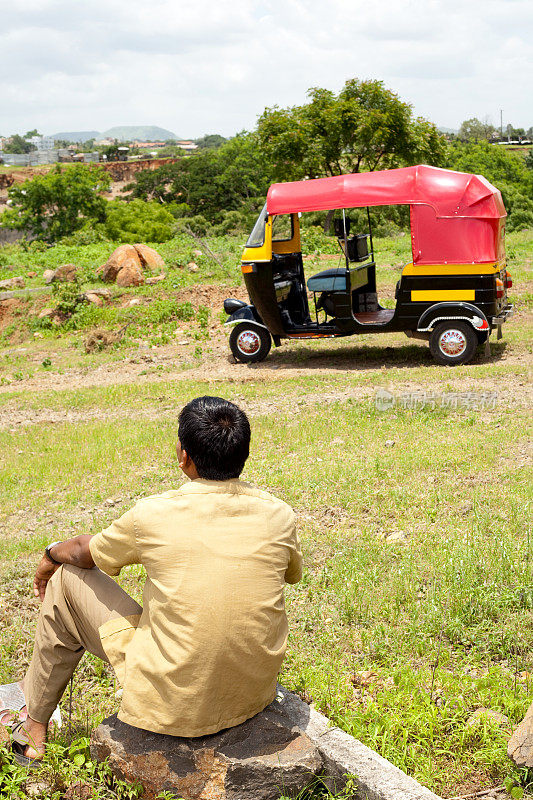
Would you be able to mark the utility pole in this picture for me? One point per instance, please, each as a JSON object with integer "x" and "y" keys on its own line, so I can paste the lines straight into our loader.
{"x": 501, "y": 123}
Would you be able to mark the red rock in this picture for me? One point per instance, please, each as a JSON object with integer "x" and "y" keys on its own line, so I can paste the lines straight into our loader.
{"x": 66, "y": 273}
{"x": 94, "y": 299}
{"x": 155, "y": 279}
{"x": 248, "y": 762}
{"x": 131, "y": 274}
{"x": 149, "y": 257}
{"x": 119, "y": 258}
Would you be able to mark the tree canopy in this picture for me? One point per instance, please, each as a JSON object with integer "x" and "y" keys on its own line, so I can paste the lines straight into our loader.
{"x": 18, "y": 144}
{"x": 474, "y": 130}
{"x": 58, "y": 203}
{"x": 212, "y": 181}
{"x": 506, "y": 170}
{"x": 363, "y": 128}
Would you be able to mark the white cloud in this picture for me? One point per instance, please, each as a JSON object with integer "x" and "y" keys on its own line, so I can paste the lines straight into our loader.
{"x": 205, "y": 66}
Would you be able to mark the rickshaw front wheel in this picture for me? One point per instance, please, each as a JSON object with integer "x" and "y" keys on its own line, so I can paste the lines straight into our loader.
{"x": 249, "y": 343}
{"x": 452, "y": 343}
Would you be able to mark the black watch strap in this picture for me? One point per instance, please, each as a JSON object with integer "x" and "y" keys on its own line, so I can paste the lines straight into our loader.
{"x": 49, "y": 555}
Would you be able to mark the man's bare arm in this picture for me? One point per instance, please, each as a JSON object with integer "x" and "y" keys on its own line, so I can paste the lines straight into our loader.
{"x": 73, "y": 551}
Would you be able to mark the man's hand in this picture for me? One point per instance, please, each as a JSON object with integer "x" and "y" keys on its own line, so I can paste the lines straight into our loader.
{"x": 74, "y": 551}
{"x": 44, "y": 572}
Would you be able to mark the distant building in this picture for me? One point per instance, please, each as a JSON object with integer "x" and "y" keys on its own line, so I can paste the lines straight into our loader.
{"x": 187, "y": 145}
{"x": 105, "y": 142}
{"x": 42, "y": 142}
{"x": 148, "y": 145}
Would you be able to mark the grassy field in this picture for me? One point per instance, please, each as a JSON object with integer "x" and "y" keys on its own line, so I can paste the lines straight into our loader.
{"x": 416, "y": 605}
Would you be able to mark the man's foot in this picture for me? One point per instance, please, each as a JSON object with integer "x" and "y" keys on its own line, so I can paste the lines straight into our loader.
{"x": 30, "y": 737}
{"x": 37, "y": 736}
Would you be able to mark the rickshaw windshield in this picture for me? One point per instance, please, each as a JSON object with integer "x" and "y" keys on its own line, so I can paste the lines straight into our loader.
{"x": 257, "y": 236}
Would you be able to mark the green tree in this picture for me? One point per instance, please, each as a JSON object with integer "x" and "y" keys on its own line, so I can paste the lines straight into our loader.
{"x": 363, "y": 128}
{"x": 473, "y": 130}
{"x": 210, "y": 141}
{"x": 154, "y": 184}
{"x": 18, "y": 144}
{"x": 211, "y": 182}
{"x": 506, "y": 170}
{"x": 57, "y": 204}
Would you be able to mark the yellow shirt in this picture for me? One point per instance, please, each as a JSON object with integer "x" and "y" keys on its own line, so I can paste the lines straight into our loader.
{"x": 206, "y": 651}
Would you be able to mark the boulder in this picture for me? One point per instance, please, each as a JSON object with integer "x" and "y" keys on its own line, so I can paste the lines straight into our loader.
{"x": 48, "y": 275}
{"x": 66, "y": 273}
{"x": 155, "y": 279}
{"x": 13, "y": 283}
{"x": 193, "y": 266}
{"x": 258, "y": 760}
{"x": 46, "y": 312}
{"x": 125, "y": 255}
{"x": 94, "y": 299}
{"x": 149, "y": 257}
{"x": 520, "y": 746}
{"x": 130, "y": 275}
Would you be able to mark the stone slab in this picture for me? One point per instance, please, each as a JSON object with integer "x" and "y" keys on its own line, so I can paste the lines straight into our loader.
{"x": 344, "y": 757}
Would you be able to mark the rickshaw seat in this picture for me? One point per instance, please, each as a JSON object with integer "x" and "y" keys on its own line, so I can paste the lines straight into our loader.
{"x": 329, "y": 280}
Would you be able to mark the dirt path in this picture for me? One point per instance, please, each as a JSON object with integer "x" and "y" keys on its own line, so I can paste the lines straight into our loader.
{"x": 517, "y": 395}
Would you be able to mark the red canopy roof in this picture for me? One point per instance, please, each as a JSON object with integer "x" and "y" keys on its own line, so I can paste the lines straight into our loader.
{"x": 436, "y": 196}
{"x": 449, "y": 193}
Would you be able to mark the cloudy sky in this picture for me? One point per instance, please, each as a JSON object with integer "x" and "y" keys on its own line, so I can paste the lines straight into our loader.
{"x": 206, "y": 66}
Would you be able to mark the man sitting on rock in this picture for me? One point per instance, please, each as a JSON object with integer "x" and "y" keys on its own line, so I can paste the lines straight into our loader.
{"x": 203, "y": 652}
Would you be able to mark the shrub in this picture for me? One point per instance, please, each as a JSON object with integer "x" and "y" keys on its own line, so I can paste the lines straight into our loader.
{"x": 138, "y": 221}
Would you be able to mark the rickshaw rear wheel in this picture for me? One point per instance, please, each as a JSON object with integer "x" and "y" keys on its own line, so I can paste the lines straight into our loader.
{"x": 452, "y": 343}
{"x": 249, "y": 343}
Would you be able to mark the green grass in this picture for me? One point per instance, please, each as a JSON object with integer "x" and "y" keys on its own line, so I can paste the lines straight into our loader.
{"x": 440, "y": 615}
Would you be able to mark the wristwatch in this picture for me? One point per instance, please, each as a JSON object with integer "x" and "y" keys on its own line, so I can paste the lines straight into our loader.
{"x": 49, "y": 555}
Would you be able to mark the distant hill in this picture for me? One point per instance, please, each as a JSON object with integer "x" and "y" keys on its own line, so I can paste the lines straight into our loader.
{"x": 145, "y": 133}
{"x": 76, "y": 136}
{"x": 442, "y": 129}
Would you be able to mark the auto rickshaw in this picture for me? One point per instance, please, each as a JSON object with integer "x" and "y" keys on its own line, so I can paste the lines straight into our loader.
{"x": 453, "y": 293}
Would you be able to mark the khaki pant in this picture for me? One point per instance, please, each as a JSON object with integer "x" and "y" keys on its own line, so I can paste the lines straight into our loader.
{"x": 76, "y": 604}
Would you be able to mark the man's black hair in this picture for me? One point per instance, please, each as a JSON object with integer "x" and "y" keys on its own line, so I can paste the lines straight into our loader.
{"x": 216, "y": 435}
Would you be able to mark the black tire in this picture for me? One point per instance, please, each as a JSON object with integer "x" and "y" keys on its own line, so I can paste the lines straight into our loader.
{"x": 249, "y": 343}
{"x": 452, "y": 343}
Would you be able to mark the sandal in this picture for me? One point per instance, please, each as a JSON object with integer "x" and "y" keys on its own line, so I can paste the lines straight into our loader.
{"x": 19, "y": 742}
{"x": 13, "y": 714}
